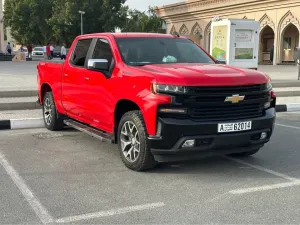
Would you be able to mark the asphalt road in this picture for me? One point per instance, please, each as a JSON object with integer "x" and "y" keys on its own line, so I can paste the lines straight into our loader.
{"x": 69, "y": 177}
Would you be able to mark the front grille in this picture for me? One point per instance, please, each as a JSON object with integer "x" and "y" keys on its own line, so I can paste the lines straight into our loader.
{"x": 208, "y": 103}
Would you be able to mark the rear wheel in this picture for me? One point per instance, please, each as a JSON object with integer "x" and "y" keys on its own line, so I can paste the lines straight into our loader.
{"x": 133, "y": 143}
{"x": 51, "y": 120}
{"x": 245, "y": 154}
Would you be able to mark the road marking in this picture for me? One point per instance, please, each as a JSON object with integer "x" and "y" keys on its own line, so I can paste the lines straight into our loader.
{"x": 111, "y": 212}
{"x": 264, "y": 188}
{"x": 281, "y": 125}
{"x": 35, "y": 204}
{"x": 264, "y": 169}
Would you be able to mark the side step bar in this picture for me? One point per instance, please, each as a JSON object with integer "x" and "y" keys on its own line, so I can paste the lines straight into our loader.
{"x": 90, "y": 131}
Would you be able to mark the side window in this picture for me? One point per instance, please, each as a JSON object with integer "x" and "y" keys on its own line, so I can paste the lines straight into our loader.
{"x": 103, "y": 51}
{"x": 80, "y": 52}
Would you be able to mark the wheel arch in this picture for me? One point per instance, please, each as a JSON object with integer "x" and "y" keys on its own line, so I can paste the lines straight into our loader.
{"x": 45, "y": 87}
{"x": 123, "y": 106}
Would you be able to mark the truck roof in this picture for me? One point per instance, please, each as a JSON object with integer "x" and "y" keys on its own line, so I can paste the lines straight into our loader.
{"x": 133, "y": 35}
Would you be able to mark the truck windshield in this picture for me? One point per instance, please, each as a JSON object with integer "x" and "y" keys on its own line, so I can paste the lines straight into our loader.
{"x": 143, "y": 51}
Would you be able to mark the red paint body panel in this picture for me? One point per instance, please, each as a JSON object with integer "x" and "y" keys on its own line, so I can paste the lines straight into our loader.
{"x": 90, "y": 97}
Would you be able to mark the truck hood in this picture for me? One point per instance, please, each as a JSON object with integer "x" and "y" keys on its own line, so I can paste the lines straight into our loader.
{"x": 204, "y": 75}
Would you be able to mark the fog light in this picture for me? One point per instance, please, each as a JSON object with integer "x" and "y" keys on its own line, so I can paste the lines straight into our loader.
{"x": 267, "y": 105}
{"x": 263, "y": 135}
{"x": 188, "y": 144}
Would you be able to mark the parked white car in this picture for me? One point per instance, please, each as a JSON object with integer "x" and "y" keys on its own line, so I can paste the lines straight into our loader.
{"x": 25, "y": 50}
{"x": 38, "y": 52}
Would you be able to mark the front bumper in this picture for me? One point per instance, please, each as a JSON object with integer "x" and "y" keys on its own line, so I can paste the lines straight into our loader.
{"x": 174, "y": 132}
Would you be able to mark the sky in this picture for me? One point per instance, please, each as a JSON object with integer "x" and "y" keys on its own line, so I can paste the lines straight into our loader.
{"x": 142, "y": 5}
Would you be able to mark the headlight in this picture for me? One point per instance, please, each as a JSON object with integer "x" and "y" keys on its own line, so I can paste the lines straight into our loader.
{"x": 269, "y": 85}
{"x": 168, "y": 89}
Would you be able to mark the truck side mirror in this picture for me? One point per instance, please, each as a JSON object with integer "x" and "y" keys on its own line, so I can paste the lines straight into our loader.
{"x": 221, "y": 62}
{"x": 98, "y": 64}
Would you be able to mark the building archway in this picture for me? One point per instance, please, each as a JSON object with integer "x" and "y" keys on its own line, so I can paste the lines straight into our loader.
{"x": 266, "y": 47}
{"x": 196, "y": 34}
{"x": 207, "y": 33}
{"x": 173, "y": 30}
{"x": 184, "y": 31}
{"x": 289, "y": 40}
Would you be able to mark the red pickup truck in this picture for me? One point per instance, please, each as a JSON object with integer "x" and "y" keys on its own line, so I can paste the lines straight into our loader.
{"x": 159, "y": 97}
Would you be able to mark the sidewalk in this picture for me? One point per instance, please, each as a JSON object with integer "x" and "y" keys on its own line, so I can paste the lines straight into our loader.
{"x": 281, "y": 72}
{"x": 18, "y": 76}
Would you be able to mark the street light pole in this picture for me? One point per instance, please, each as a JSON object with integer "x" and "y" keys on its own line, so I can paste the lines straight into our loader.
{"x": 81, "y": 13}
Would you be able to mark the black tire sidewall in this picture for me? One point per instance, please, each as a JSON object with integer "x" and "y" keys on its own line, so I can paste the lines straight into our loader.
{"x": 144, "y": 149}
{"x": 55, "y": 124}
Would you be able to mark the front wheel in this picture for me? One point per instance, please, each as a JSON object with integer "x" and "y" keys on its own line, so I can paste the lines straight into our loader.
{"x": 51, "y": 120}
{"x": 245, "y": 154}
{"x": 133, "y": 143}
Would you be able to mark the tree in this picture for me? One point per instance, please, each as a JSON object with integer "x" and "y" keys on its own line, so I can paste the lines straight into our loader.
{"x": 28, "y": 20}
{"x": 136, "y": 21}
{"x": 100, "y": 16}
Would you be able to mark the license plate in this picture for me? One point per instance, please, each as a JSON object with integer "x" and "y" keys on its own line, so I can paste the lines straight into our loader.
{"x": 234, "y": 127}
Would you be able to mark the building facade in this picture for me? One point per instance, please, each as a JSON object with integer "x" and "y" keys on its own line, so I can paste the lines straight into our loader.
{"x": 279, "y": 23}
{"x": 2, "y": 45}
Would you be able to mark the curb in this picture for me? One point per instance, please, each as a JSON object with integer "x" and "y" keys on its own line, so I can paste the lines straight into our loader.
{"x": 19, "y": 106}
{"x": 14, "y": 124}
{"x": 18, "y": 93}
{"x": 288, "y": 108}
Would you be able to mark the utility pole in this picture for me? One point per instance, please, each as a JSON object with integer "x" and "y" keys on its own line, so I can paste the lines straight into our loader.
{"x": 81, "y": 13}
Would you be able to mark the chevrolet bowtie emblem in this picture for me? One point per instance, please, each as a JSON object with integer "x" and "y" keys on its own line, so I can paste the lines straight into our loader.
{"x": 235, "y": 98}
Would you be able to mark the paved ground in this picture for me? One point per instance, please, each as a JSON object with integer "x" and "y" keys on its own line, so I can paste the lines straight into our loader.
{"x": 20, "y": 114}
{"x": 67, "y": 176}
{"x": 22, "y": 75}
{"x": 18, "y": 75}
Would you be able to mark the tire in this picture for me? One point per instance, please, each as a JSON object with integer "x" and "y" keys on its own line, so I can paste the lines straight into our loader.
{"x": 51, "y": 120}
{"x": 130, "y": 123}
{"x": 245, "y": 154}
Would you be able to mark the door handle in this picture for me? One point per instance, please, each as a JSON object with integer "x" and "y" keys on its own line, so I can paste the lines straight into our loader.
{"x": 66, "y": 75}
{"x": 86, "y": 78}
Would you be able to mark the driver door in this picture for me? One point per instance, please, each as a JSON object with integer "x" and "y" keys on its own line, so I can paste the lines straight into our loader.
{"x": 98, "y": 85}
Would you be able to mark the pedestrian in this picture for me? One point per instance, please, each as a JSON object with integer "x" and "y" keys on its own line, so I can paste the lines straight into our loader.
{"x": 272, "y": 54}
{"x": 45, "y": 52}
{"x": 52, "y": 51}
{"x": 8, "y": 48}
{"x": 48, "y": 51}
{"x": 63, "y": 51}
{"x": 22, "y": 48}
{"x": 29, "y": 48}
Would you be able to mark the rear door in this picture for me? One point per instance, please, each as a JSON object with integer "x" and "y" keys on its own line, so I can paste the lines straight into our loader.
{"x": 73, "y": 89}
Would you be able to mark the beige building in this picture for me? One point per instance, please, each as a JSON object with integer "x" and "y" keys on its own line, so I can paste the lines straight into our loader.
{"x": 279, "y": 22}
{"x": 2, "y": 45}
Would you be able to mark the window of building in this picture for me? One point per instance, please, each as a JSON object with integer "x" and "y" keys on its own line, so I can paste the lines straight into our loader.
{"x": 268, "y": 42}
{"x": 79, "y": 55}
{"x": 287, "y": 43}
